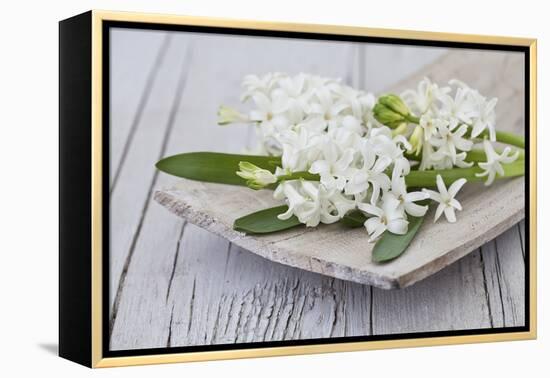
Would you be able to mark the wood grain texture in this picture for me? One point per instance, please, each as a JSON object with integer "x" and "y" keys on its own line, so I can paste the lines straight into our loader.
{"x": 129, "y": 199}
{"x": 181, "y": 285}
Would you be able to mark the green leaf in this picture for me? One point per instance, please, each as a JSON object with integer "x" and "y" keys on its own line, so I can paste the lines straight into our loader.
{"x": 354, "y": 219}
{"x": 214, "y": 166}
{"x": 391, "y": 245}
{"x": 265, "y": 221}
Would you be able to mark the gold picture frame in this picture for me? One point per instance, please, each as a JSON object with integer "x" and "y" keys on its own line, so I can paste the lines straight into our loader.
{"x": 93, "y": 354}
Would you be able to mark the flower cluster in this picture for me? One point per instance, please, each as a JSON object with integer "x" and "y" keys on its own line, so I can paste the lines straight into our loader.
{"x": 360, "y": 149}
{"x": 450, "y": 119}
{"x": 292, "y": 109}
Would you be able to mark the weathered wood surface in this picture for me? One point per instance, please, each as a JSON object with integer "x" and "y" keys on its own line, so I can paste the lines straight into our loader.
{"x": 175, "y": 284}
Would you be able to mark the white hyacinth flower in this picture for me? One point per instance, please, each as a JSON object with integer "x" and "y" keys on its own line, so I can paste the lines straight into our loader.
{"x": 254, "y": 84}
{"x": 334, "y": 165}
{"x": 389, "y": 216}
{"x": 451, "y": 139}
{"x": 431, "y": 124}
{"x": 482, "y": 115}
{"x": 370, "y": 173}
{"x": 300, "y": 149}
{"x": 293, "y": 86}
{"x": 446, "y": 198}
{"x": 493, "y": 165}
{"x": 327, "y": 109}
{"x": 311, "y": 203}
{"x": 387, "y": 145}
{"x": 461, "y": 107}
{"x": 422, "y": 99}
{"x": 486, "y": 119}
{"x": 407, "y": 200}
{"x": 356, "y": 100}
{"x": 267, "y": 107}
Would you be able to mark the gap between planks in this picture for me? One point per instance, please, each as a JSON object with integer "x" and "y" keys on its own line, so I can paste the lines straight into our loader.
{"x": 170, "y": 125}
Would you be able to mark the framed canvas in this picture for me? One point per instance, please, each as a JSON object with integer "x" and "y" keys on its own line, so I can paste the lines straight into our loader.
{"x": 234, "y": 189}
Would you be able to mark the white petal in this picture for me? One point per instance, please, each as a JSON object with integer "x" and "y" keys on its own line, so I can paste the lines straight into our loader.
{"x": 287, "y": 214}
{"x": 377, "y": 232}
{"x": 328, "y": 181}
{"x": 439, "y": 211}
{"x": 372, "y": 224}
{"x": 478, "y": 128}
{"x": 279, "y": 194}
{"x": 398, "y": 226}
{"x": 433, "y": 195}
{"x": 262, "y": 102}
{"x": 319, "y": 166}
{"x": 454, "y": 203}
{"x": 381, "y": 164}
{"x": 416, "y": 196}
{"x": 455, "y": 187}
{"x": 257, "y": 115}
{"x": 344, "y": 161}
{"x": 499, "y": 169}
{"x": 311, "y": 189}
{"x": 463, "y": 144}
{"x": 415, "y": 210}
{"x": 450, "y": 214}
{"x": 336, "y": 109}
{"x": 491, "y": 178}
{"x": 370, "y": 209}
{"x": 441, "y": 186}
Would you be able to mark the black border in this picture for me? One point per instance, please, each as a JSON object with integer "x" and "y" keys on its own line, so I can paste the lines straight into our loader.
{"x": 75, "y": 194}
{"x": 107, "y": 25}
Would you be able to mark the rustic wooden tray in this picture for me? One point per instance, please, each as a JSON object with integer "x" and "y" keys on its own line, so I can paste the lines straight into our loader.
{"x": 346, "y": 254}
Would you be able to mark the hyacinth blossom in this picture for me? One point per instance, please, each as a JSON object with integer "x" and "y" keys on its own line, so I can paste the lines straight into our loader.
{"x": 360, "y": 148}
{"x": 332, "y": 152}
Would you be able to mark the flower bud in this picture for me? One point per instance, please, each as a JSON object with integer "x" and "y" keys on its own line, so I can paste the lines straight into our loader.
{"x": 416, "y": 140}
{"x": 256, "y": 177}
{"x": 394, "y": 103}
{"x": 387, "y": 117}
{"x": 400, "y": 130}
{"x": 391, "y": 111}
{"x": 227, "y": 115}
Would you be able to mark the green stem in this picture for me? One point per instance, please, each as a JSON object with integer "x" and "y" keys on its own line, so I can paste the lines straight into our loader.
{"x": 299, "y": 175}
{"x": 425, "y": 179}
{"x": 508, "y": 138}
{"x": 302, "y": 175}
{"x": 412, "y": 118}
{"x": 475, "y": 155}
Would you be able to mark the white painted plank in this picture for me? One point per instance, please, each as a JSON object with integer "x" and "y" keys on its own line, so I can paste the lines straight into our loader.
{"x": 135, "y": 57}
{"x": 240, "y": 297}
{"x": 130, "y": 196}
{"x": 399, "y": 62}
{"x": 452, "y": 299}
{"x": 505, "y": 275}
